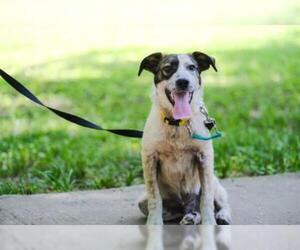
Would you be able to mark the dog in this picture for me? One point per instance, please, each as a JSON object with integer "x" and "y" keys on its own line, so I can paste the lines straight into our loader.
{"x": 179, "y": 170}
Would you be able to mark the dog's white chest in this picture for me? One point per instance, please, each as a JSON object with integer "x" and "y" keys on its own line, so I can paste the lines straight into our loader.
{"x": 178, "y": 171}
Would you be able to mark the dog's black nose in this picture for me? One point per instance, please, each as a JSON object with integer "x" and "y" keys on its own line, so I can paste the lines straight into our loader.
{"x": 182, "y": 84}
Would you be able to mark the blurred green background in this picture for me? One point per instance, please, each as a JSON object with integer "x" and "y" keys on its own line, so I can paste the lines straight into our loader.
{"x": 82, "y": 57}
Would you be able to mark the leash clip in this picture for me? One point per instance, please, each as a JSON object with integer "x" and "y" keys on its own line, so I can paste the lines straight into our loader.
{"x": 209, "y": 123}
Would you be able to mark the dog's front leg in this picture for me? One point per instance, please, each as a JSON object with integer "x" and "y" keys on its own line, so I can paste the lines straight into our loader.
{"x": 150, "y": 165}
{"x": 206, "y": 169}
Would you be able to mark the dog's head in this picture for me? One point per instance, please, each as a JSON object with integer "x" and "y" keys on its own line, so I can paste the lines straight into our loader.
{"x": 177, "y": 80}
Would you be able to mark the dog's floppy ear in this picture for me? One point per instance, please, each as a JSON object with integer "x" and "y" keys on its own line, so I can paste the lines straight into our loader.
{"x": 204, "y": 61}
{"x": 150, "y": 63}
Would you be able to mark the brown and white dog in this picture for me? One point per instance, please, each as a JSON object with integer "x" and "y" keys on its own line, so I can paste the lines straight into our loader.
{"x": 179, "y": 170}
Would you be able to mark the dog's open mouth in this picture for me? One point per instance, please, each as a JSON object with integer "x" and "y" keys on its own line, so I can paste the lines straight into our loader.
{"x": 181, "y": 101}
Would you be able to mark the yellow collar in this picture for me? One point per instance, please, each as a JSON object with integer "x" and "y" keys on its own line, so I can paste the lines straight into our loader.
{"x": 173, "y": 122}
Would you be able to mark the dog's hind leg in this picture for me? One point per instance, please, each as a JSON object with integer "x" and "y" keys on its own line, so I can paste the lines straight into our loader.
{"x": 222, "y": 208}
{"x": 191, "y": 208}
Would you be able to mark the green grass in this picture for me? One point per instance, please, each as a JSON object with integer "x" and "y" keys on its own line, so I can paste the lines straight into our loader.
{"x": 255, "y": 98}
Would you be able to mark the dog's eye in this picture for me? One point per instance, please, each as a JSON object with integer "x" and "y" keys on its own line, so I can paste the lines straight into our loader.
{"x": 191, "y": 67}
{"x": 167, "y": 68}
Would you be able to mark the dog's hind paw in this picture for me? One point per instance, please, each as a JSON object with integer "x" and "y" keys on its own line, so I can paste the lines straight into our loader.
{"x": 193, "y": 218}
{"x": 223, "y": 217}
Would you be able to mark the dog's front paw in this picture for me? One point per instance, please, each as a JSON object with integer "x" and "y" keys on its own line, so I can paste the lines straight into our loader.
{"x": 223, "y": 217}
{"x": 155, "y": 237}
{"x": 155, "y": 246}
{"x": 193, "y": 218}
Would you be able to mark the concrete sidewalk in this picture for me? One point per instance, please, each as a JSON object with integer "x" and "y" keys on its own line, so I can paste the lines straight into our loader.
{"x": 257, "y": 200}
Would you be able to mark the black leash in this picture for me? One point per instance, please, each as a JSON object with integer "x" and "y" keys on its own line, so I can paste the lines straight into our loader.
{"x": 69, "y": 117}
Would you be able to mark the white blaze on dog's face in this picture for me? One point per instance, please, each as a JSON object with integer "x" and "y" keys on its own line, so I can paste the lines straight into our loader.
{"x": 177, "y": 81}
{"x": 181, "y": 86}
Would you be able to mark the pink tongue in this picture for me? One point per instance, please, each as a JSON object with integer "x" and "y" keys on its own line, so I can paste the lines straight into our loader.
{"x": 182, "y": 109}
